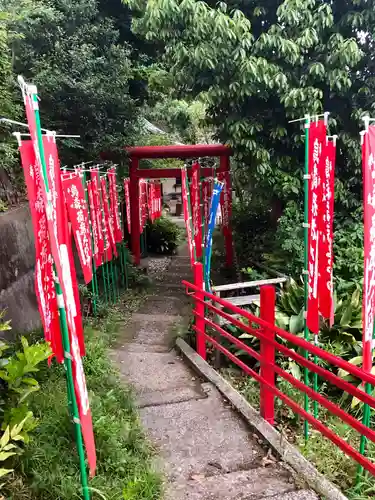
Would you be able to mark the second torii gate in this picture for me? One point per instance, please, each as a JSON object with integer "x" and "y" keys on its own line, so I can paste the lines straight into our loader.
{"x": 138, "y": 153}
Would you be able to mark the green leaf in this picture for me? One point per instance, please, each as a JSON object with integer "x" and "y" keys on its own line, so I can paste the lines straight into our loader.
{"x": 356, "y": 401}
{"x": 296, "y": 323}
{"x": 4, "y": 455}
{"x": 9, "y": 446}
{"x": 347, "y": 316}
{"x": 295, "y": 370}
{"x": 246, "y": 336}
{"x": 357, "y": 361}
{"x": 4, "y": 472}
{"x": 4, "y": 440}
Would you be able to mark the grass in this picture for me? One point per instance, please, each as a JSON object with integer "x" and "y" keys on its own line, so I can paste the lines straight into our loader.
{"x": 49, "y": 468}
{"x": 328, "y": 458}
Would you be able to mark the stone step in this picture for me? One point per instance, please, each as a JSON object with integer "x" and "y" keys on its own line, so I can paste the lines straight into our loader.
{"x": 150, "y": 329}
{"x": 155, "y": 371}
{"x": 202, "y": 437}
{"x": 177, "y": 395}
{"x": 258, "y": 483}
{"x": 164, "y": 305}
{"x": 134, "y": 347}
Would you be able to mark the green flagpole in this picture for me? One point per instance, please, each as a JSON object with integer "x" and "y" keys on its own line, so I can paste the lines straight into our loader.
{"x": 94, "y": 283}
{"x": 125, "y": 255}
{"x": 64, "y": 331}
{"x": 115, "y": 269}
{"x": 104, "y": 274}
{"x": 305, "y": 272}
{"x": 122, "y": 274}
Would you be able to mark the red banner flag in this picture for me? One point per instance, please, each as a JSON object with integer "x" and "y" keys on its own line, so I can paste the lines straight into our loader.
{"x": 145, "y": 204}
{"x": 206, "y": 193}
{"x": 325, "y": 272}
{"x": 44, "y": 275}
{"x": 62, "y": 256}
{"x": 96, "y": 191}
{"x": 142, "y": 204}
{"x": 151, "y": 200}
{"x": 64, "y": 233}
{"x": 187, "y": 217}
{"x": 127, "y": 203}
{"x": 109, "y": 232}
{"x": 196, "y": 208}
{"x": 317, "y": 141}
{"x": 113, "y": 196}
{"x": 368, "y": 161}
{"x": 94, "y": 225}
{"x": 78, "y": 215}
{"x": 225, "y": 201}
{"x": 158, "y": 200}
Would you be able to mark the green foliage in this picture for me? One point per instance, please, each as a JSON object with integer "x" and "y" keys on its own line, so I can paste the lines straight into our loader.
{"x": 251, "y": 231}
{"x": 184, "y": 119}
{"x": 17, "y": 383}
{"x": 86, "y": 63}
{"x": 82, "y": 68}
{"x": 346, "y": 330}
{"x": 163, "y": 236}
{"x": 50, "y": 465}
{"x": 259, "y": 66}
{"x": 252, "y": 274}
{"x": 159, "y": 140}
{"x": 9, "y": 445}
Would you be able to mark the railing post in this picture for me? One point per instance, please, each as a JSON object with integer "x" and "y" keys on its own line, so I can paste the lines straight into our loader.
{"x": 267, "y": 352}
{"x": 199, "y": 308}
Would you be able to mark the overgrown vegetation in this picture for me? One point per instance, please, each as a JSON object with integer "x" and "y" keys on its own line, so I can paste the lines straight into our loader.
{"x": 17, "y": 383}
{"x": 163, "y": 236}
{"x": 124, "y": 455}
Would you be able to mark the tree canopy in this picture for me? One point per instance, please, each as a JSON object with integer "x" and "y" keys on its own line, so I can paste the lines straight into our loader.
{"x": 261, "y": 64}
{"x": 88, "y": 68}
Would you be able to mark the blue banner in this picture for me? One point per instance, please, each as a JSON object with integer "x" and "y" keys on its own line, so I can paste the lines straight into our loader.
{"x": 215, "y": 200}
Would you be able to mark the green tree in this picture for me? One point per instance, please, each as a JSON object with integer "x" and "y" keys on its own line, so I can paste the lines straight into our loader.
{"x": 8, "y": 108}
{"x": 261, "y": 64}
{"x": 85, "y": 71}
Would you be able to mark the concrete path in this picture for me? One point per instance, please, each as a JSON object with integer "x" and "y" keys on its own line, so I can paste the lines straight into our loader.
{"x": 205, "y": 450}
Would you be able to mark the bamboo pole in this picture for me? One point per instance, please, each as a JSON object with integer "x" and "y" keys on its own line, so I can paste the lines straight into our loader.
{"x": 65, "y": 334}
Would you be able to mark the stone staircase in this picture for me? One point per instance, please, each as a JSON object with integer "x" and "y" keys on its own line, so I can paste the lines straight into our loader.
{"x": 204, "y": 448}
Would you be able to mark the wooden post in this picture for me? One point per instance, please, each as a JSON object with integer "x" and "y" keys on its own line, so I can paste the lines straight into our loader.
{"x": 267, "y": 351}
{"x": 134, "y": 210}
{"x": 199, "y": 308}
{"x": 228, "y": 236}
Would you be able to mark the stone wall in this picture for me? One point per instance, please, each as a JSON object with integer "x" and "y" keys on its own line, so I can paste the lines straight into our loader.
{"x": 17, "y": 260}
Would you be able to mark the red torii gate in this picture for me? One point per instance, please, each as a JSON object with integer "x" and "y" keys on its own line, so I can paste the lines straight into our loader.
{"x": 138, "y": 153}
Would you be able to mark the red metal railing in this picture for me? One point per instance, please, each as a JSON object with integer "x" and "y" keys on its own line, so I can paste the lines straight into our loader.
{"x": 268, "y": 333}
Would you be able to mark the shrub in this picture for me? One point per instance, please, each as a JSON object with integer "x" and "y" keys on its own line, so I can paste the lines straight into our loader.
{"x": 163, "y": 236}
{"x": 252, "y": 231}
{"x": 16, "y": 385}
